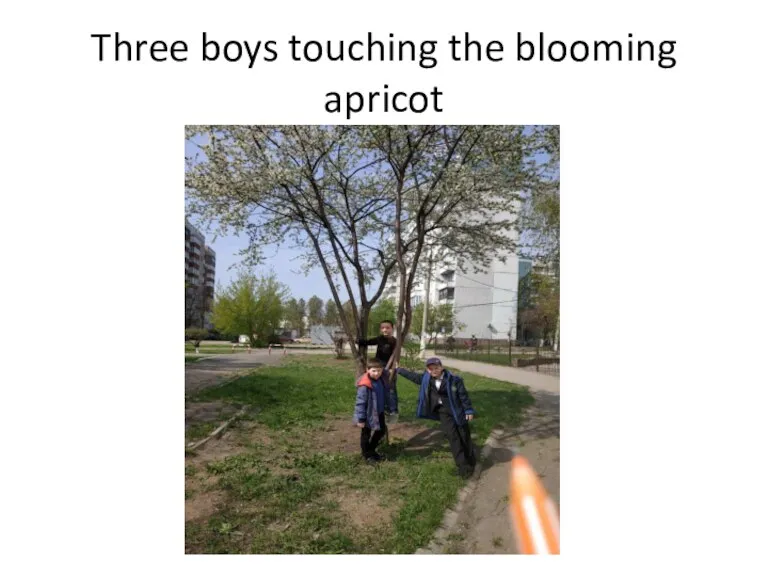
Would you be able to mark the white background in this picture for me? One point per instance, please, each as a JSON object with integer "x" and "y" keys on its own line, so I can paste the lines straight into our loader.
{"x": 663, "y": 291}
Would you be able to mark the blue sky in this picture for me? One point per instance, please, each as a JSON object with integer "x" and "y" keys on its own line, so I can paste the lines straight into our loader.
{"x": 280, "y": 260}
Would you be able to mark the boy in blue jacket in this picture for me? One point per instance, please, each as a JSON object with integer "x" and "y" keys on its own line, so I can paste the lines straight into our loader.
{"x": 443, "y": 397}
{"x": 372, "y": 400}
{"x": 385, "y": 346}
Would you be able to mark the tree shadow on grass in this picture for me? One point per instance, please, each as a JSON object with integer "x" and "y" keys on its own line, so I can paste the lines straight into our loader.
{"x": 420, "y": 445}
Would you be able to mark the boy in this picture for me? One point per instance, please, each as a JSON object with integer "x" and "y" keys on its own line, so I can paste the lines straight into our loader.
{"x": 443, "y": 397}
{"x": 385, "y": 346}
{"x": 369, "y": 410}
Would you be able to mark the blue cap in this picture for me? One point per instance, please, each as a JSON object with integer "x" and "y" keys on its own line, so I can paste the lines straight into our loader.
{"x": 434, "y": 360}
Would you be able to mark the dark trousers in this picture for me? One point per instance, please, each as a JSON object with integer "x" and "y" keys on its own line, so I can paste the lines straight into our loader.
{"x": 368, "y": 441}
{"x": 391, "y": 390}
{"x": 459, "y": 439}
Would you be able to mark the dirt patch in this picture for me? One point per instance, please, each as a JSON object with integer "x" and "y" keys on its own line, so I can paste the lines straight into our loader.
{"x": 205, "y": 412}
{"x": 337, "y": 435}
{"x": 363, "y": 510}
{"x": 202, "y": 505}
{"x": 256, "y": 432}
{"x": 216, "y": 449}
{"x": 405, "y": 430}
{"x": 341, "y": 435}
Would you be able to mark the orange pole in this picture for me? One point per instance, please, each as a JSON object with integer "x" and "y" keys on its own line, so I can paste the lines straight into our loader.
{"x": 534, "y": 517}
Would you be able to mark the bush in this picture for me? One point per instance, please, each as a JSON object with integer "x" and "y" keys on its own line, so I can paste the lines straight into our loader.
{"x": 222, "y": 336}
{"x": 196, "y": 335}
{"x": 409, "y": 356}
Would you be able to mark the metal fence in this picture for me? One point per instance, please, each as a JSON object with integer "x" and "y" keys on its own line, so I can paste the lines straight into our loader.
{"x": 542, "y": 359}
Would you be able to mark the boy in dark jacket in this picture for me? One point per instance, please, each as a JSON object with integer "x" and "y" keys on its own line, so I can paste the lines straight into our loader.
{"x": 385, "y": 346}
{"x": 443, "y": 397}
{"x": 372, "y": 399}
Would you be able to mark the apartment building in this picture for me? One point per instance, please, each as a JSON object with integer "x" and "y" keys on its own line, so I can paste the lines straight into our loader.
{"x": 199, "y": 277}
{"x": 485, "y": 302}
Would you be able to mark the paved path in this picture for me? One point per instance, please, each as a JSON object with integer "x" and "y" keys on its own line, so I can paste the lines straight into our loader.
{"x": 210, "y": 370}
{"x": 483, "y": 524}
{"x": 534, "y": 380}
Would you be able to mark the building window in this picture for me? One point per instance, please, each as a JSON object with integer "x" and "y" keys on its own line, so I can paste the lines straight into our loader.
{"x": 448, "y": 276}
{"x": 415, "y": 300}
{"x": 446, "y": 294}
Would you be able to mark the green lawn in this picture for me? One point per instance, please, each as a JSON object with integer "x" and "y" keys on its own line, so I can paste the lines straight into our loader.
{"x": 288, "y": 490}
{"x": 214, "y": 349}
{"x": 501, "y": 358}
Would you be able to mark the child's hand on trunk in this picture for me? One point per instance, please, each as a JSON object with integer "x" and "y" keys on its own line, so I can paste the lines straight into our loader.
{"x": 361, "y": 424}
{"x": 470, "y": 417}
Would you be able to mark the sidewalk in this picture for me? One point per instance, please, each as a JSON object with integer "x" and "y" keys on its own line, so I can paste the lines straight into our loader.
{"x": 482, "y": 523}
{"x": 212, "y": 370}
{"x": 536, "y": 381}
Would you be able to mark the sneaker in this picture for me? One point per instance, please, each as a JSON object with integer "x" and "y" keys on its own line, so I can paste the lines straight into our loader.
{"x": 377, "y": 457}
{"x": 371, "y": 460}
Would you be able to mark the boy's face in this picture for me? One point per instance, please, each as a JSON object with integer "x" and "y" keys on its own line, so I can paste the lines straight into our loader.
{"x": 374, "y": 372}
{"x": 435, "y": 370}
{"x": 386, "y": 329}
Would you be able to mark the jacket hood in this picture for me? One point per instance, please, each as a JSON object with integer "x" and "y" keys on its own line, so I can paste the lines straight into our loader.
{"x": 365, "y": 380}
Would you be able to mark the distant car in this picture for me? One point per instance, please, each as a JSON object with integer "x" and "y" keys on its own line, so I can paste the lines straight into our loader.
{"x": 303, "y": 340}
{"x": 286, "y": 340}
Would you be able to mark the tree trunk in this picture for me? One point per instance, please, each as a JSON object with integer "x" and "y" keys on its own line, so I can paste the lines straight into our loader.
{"x": 361, "y": 357}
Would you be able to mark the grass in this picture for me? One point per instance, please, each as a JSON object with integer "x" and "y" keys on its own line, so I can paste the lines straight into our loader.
{"x": 210, "y": 349}
{"x": 483, "y": 356}
{"x": 500, "y": 359}
{"x": 285, "y": 494}
{"x": 199, "y": 431}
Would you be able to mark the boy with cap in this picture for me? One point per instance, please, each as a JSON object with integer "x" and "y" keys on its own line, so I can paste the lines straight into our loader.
{"x": 372, "y": 400}
{"x": 443, "y": 397}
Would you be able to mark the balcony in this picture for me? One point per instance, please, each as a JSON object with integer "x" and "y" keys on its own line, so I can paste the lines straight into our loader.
{"x": 446, "y": 294}
{"x": 447, "y": 277}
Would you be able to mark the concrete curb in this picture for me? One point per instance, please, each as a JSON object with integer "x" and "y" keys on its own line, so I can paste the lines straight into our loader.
{"x": 219, "y": 431}
{"x": 451, "y": 516}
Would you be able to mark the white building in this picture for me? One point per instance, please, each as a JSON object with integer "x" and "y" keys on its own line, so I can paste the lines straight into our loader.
{"x": 485, "y": 303}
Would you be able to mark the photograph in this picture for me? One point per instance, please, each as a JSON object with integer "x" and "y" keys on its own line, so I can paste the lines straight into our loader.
{"x": 372, "y": 339}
